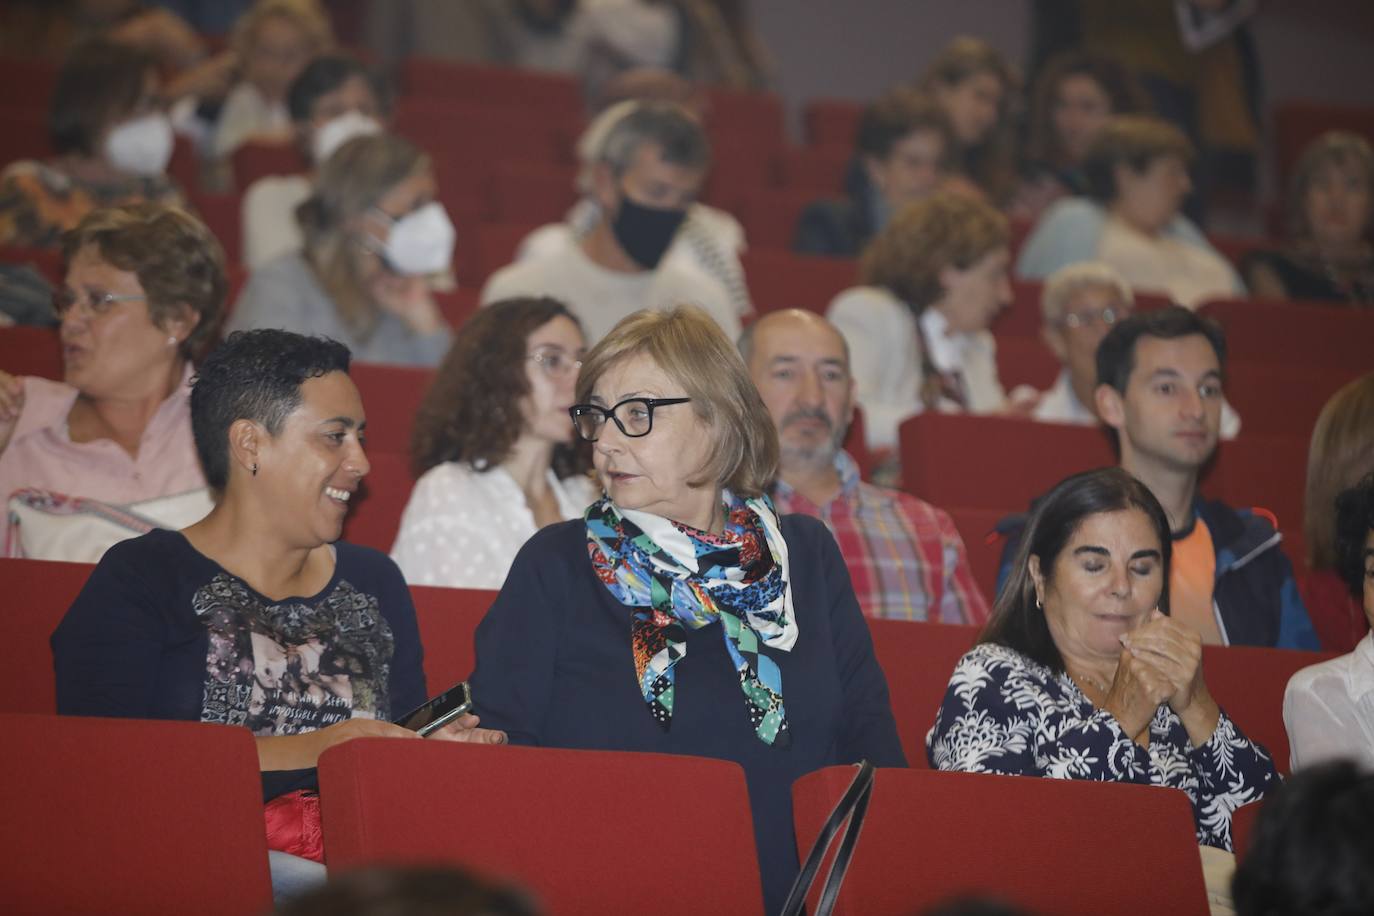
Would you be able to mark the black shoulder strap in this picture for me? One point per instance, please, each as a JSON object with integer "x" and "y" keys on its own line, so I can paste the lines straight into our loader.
{"x": 853, "y": 805}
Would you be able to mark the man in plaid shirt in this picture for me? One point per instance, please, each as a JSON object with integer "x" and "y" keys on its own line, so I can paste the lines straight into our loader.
{"x": 904, "y": 556}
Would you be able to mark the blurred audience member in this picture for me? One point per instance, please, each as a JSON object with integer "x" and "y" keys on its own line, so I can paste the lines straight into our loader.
{"x": 905, "y": 557}
{"x": 905, "y": 147}
{"x": 493, "y": 447}
{"x": 709, "y": 241}
{"x": 112, "y": 143}
{"x": 1328, "y": 709}
{"x": 917, "y": 328}
{"x": 973, "y": 82}
{"x": 274, "y": 41}
{"x": 1330, "y": 214}
{"x": 644, "y": 180}
{"x": 1161, "y": 376}
{"x": 1137, "y": 177}
{"x": 410, "y": 890}
{"x": 1340, "y": 455}
{"x": 334, "y": 100}
{"x": 375, "y": 238}
{"x": 1075, "y": 96}
{"x": 143, "y": 295}
{"x": 1311, "y": 849}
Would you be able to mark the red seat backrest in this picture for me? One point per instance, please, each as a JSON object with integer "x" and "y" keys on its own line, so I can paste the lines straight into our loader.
{"x": 223, "y": 214}
{"x": 47, "y": 261}
{"x": 448, "y": 617}
{"x": 37, "y": 595}
{"x": 1035, "y": 843}
{"x": 832, "y": 123}
{"x": 259, "y": 158}
{"x": 917, "y": 659}
{"x": 1295, "y": 333}
{"x": 1026, "y": 361}
{"x": 130, "y": 816}
{"x": 1258, "y": 471}
{"x": 1243, "y": 821}
{"x": 1282, "y": 399}
{"x": 532, "y": 194}
{"x": 821, "y": 171}
{"x": 567, "y": 824}
{"x": 458, "y": 305}
{"x": 375, "y": 514}
{"x": 391, "y": 398}
{"x": 782, "y": 280}
{"x": 502, "y": 88}
{"x": 993, "y": 462}
{"x": 983, "y": 544}
{"x": 769, "y": 215}
{"x": 1248, "y": 682}
{"x": 496, "y": 245}
{"x": 26, "y": 350}
{"x": 755, "y": 118}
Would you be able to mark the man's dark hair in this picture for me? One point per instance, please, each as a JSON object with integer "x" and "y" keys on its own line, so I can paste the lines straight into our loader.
{"x": 323, "y": 75}
{"x": 1312, "y": 847}
{"x": 254, "y": 375}
{"x": 896, "y": 114}
{"x": 1354, "y": 521}
{"x": 100, "y": 82}
{"x": 1116, "y": 353}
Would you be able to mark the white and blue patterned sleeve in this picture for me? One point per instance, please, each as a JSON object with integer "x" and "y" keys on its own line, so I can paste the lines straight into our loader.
{"x": 999, "y": 717}
{"x": 1232, "y": 771}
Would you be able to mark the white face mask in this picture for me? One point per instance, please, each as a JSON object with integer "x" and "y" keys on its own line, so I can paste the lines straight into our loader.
{"x": 335, "y": 132}
{"x": 142, "y": 145}
{"x": 421, "y": 242}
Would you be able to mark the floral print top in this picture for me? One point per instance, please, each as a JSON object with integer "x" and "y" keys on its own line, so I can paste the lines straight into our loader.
{"x": 39, "y": 202}
{"x": 1004, "y": 713}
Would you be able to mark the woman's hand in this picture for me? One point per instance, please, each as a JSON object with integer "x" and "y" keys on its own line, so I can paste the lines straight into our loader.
{"x": 1175, "y": 651}
{"x": 409, "y": 298}
{"x": 299, "y": 752}
{"x": 1136, "y": 692}
{"x": 464, "y": 728}
{"x": 11, "y": 406}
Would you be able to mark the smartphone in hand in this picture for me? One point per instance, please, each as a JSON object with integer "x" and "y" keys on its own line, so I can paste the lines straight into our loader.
{"x": 438, "y": 712}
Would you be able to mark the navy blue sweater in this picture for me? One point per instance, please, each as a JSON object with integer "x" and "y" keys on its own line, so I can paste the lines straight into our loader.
{"x": 555, "y": 668}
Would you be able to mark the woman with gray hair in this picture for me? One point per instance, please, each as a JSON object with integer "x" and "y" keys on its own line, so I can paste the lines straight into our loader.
{"x": 375, "y": 239}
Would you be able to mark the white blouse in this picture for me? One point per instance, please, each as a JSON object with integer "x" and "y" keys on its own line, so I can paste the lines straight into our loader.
{"x": 462, "y": 527}
{"x": 1328, "y": 709}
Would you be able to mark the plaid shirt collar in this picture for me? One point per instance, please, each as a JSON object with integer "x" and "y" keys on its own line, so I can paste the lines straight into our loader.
{"x": 849, "y": 483}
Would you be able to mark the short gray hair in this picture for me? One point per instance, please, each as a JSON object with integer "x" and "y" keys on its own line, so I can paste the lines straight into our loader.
{"x": 632, "y": 124}
{"x": 1069, "y": 281}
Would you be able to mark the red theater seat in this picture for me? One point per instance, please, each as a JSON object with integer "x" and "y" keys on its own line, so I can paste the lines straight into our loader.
{"x": 832, "y": 123}
{"x": 375, "y": 515}
{"x": 458, "y": 305}
{"x": 782, "y": 280}
{"x": 391, "y": 397}
{"x": 532, "y": 194}
{"x": 38, "y": 592}
{"x": 917, "y": 659}
{"x": 448, "y": 617}
{"x": 26, "y": 350}
{"x": 570, "y": 825}
{"x": 1295, "y": 333}
{"x": 496, "y": 246}
{"x": 819, "y": 170}
{"x": 755, "y": 118}
{"x": 1025, "y": 361}
{"x": 1282, "y": 399}
{"x": 1243, "y": 827}
{"x": 1248, "y": 682}
{"x": 1071, "y": 848}
{"x": 47, "y": 261}
{"x": 130, "y": 816}
{"x": 983, "y": 544}
{"x": 223, "y": 214}
{"x": 510, "y": 88}
{"x": 769, "y": 215}
{"x": 258, "y": 159}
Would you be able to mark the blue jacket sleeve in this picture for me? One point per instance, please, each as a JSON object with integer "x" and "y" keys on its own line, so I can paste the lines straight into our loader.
{"x": 1295, "y": 625}
{"x": 1069, "y": 231}
{"x": 870, "y": 730}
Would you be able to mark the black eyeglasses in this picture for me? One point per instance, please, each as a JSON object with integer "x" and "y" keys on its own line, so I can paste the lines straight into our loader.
{"x": 634, "y": 416}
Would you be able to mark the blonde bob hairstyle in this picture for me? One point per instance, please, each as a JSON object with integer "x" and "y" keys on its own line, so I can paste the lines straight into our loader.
{"x": 1340, "y": 455}
{"x": 944, "y": 230}
{"x": 688, "y": 345}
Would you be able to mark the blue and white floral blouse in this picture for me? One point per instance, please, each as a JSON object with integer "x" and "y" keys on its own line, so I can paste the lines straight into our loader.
{"x": 1006, "y": 714}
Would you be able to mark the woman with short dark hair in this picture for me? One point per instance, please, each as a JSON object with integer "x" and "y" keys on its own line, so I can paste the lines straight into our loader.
{"x": 112, "y": 143}
{"x": 1082, "y": 674}
{"x": 258, "y": 616}
{"x": 492, "y": 447}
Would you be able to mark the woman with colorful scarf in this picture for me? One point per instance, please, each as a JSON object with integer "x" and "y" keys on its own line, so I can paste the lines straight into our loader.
{"x": 681, "y": 614}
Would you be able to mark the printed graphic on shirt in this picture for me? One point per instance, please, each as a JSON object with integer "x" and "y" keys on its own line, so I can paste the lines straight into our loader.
{"x": 293, "y": 667}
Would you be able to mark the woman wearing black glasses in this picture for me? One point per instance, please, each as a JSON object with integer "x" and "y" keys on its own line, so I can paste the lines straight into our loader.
{"x": 680, "y": 614}
{"x": 143, "y": 294}
{"x": 493, "y": 447}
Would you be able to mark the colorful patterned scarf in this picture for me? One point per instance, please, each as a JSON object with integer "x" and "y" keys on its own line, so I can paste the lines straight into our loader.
{"x": 673, "y": 576}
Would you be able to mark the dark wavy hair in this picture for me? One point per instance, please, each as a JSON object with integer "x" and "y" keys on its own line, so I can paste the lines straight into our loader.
{"x": 1112, "y": 77}
{"x": 1354, "y": 521}
{"x": 1311, "y": 850}
{"x": 471, "y": 412}
{"x": 1017, "y": 622}
{"x": 254, "y": 375}
{"x": 99, "y": 83}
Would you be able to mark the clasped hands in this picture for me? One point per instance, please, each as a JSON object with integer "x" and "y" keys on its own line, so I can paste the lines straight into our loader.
{"x": 1161, "y": 662}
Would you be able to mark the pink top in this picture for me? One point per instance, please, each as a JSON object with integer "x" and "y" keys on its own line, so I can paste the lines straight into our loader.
{"x": 41, "y": 454}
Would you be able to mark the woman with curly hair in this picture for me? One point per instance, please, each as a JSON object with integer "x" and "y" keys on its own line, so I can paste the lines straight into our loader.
{"x": 493, "y": 446}
{"x": 918, "y": 336}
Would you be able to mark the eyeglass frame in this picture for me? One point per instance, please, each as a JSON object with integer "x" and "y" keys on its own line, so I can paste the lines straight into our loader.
{"x": 1076, "y": 320}
{"x": 540, "y": 356}
{"x": 650, "y": 404}
{"x": 95, "y": 305}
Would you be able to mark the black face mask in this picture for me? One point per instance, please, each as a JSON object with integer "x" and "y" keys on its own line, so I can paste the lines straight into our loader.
{"x": 645, "y": 232}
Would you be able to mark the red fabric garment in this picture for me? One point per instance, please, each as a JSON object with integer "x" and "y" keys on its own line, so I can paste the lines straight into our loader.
{"x": 1337, "y": 617}
{"x": 293, "y": 825}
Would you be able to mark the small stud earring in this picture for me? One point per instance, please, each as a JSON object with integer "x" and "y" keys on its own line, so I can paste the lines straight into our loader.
{"x": 255, "y": 469}
{"x": 172, "y": 341}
